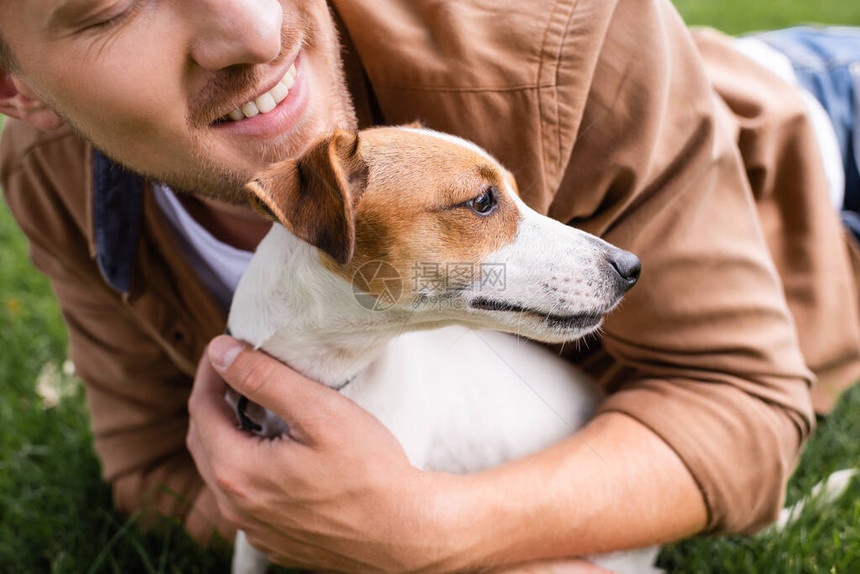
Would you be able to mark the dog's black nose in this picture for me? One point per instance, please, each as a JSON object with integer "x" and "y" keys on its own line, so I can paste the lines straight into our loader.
{"x": 626, "y": 265}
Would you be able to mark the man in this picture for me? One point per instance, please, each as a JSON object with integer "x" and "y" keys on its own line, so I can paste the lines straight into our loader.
{"x": 603, "y": 111}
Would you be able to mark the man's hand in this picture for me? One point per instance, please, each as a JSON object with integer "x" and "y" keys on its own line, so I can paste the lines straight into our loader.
{"x": 337, "y": 493}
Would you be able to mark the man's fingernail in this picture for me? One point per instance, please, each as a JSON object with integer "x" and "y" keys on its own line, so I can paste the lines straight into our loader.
{"x": 223, "y": 351}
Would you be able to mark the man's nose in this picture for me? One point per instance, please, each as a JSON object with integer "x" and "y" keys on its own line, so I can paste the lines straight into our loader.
{"x": 234, "y": 32}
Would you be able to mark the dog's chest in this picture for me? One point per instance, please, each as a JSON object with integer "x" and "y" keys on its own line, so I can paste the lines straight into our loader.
{"x": 463, "y": 401}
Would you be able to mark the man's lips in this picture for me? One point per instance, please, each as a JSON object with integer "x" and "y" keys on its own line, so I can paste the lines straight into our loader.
{"x": 254, "y": 80}
{"x": 267, "y": 100}
{"x": 274, "y": 110}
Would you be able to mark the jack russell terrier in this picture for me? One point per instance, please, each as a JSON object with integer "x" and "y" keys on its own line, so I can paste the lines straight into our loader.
{"x": 396, "y": 247}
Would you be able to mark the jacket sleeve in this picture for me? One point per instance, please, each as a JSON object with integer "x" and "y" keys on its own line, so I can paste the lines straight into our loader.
{"x": 136, "y": 395}
{"x": 704, "y": 349}
{"x": 815, "y": 255}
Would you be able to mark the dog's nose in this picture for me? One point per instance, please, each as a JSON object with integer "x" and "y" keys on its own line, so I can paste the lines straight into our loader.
{"x": 626, "y": 265}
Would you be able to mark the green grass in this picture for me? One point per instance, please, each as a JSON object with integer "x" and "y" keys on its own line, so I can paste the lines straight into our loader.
{"x": 736, "y": 16}
{"x": 56, "y": 515}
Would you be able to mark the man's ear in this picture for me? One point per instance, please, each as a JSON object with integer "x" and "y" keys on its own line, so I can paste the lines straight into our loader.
{"x": 315, "y": 196}
{"x": 18, "y": 100}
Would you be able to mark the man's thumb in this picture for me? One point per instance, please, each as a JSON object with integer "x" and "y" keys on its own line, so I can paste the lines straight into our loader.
{"x": 270, "y": 383}
{"x": 223, "y": 351}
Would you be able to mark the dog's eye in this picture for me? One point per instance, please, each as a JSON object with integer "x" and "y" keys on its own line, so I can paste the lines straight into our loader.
{"x": 486, "y": 203}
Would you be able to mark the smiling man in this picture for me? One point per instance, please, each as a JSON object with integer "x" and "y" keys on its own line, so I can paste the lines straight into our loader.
{"x": 179, "y": 114}
{"x": 607, "y": 114}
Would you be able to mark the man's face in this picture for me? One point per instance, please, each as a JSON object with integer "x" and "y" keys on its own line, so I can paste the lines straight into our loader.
{"x": 152, "y": 83}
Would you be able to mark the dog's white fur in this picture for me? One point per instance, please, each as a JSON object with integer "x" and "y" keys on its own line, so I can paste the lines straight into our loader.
{"x": 458, "y": 399}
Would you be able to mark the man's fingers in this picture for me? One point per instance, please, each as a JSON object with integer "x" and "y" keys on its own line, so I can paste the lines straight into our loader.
{"x": 212, "y": 422}
{"x": 209, "y": 391}
{"x": 266, "y": 381}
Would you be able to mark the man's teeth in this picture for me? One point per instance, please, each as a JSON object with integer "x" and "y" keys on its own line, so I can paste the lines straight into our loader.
{"x": 268, "y": 101}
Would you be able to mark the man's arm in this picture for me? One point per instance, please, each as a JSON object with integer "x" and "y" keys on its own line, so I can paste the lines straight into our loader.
{"x": 614, "y": 485}
{"x": 341, "y": 494}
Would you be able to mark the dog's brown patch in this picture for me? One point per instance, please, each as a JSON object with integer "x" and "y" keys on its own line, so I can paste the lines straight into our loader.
{"x": 412, "y": 213}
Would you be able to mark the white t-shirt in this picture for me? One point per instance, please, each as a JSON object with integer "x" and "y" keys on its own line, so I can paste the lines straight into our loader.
{"x": 218, "y": 264}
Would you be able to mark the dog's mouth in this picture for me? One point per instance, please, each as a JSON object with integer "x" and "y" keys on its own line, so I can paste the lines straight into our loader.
{"x": 567, "y": 322}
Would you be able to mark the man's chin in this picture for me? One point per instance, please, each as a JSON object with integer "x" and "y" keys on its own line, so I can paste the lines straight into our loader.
{"x": 233, "y": 194}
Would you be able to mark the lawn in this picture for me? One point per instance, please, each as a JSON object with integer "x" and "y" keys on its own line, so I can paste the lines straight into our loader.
{"x": 55, "y": 513}
{"x": 737, "y": 16}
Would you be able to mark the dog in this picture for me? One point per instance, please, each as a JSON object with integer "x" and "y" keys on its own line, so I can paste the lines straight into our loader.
{"x": 398, "y": 255}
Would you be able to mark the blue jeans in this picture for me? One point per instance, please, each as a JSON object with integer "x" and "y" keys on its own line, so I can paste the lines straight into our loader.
{"x": 827, "y": 63}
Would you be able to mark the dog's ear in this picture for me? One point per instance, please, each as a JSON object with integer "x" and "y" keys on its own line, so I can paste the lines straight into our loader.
{"x": 315, "y": 196}
{"x": 415, "y": 125}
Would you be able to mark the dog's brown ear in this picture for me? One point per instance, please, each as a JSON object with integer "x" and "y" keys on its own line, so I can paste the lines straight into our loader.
{"x": 416, "y": 125}
{"x": 315, "y": 196}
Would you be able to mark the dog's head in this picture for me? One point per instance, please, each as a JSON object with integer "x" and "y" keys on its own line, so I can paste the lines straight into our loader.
{"x": 444, "y": 218}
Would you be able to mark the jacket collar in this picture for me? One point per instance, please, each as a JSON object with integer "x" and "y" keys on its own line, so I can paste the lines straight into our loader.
{"x": 117, "y": 209}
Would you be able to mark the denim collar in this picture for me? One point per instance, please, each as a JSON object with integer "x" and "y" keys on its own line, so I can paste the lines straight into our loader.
{"x": 117, "y": 214}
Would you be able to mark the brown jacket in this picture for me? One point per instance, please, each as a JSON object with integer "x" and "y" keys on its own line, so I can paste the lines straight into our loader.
{"x": 609, "y": 117}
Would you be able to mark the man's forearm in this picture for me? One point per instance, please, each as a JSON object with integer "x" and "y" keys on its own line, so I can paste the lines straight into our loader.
{"x": 614, "y": 485}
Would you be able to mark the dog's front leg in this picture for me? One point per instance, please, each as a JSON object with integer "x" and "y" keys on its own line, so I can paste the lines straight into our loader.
{"x": 265, "y": 423}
